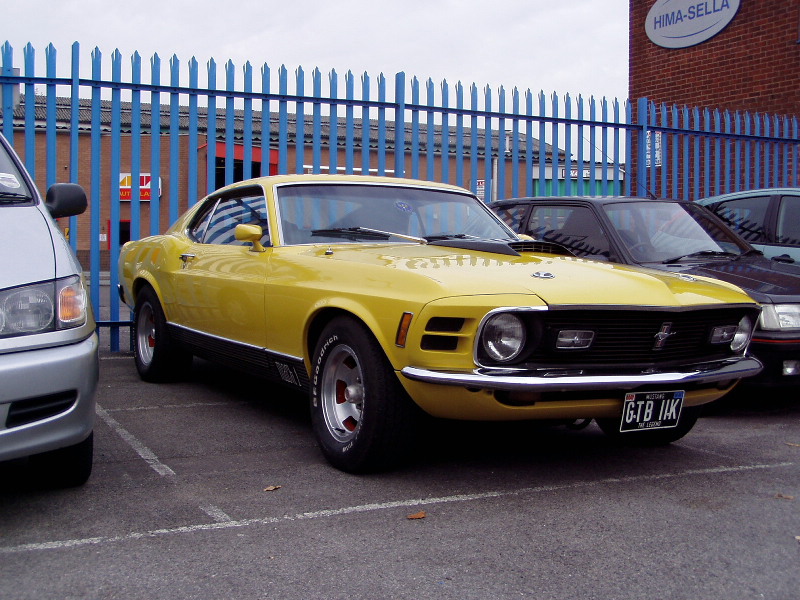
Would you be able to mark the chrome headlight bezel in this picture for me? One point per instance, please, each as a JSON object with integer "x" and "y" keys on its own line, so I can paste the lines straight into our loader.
{"x": 744, "y": 333}
{"x": 43, "y": 307}
{"x": 502, "y": 337}
{"x": 780, "y": 317}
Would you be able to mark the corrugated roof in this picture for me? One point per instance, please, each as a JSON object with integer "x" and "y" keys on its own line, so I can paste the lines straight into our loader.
{"x": 63, "y": 116}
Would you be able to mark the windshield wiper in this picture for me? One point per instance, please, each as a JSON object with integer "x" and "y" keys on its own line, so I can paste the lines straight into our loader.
{"x": 702, "y": 254}
{"x": 355, "y": 233}
{"x": 14, "y": 198}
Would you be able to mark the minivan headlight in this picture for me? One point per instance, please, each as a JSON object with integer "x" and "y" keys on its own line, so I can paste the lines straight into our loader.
{"x": 43, "y": 307}
{"x": 780, "y": 317}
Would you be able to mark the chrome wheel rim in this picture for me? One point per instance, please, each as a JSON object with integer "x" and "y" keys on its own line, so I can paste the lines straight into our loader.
{"x": 145, "y": 334}
{"x": 342, "y": 392}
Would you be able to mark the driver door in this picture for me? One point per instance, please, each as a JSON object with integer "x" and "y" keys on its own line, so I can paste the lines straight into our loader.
{"x": 222, "y": 280}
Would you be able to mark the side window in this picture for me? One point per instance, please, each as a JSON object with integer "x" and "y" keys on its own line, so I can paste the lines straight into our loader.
{"x": 746, "y": 216}
{"x": 233, "y": 211}
{"x": 513, "y": 216}
{"x": 788, "y": 229}
{"x": 575, "y": 227}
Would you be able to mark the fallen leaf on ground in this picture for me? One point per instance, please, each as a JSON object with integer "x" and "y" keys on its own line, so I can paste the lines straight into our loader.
{"x": 793, "y": 445}
{"x": 419, "y": 515}
{"x": 272, "y": 488}
{"x": 780, "y": 496}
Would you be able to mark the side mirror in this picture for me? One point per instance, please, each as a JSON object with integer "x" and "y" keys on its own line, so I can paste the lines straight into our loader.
{"x": 65, "y": 200}
{"x": 250, "y": 233}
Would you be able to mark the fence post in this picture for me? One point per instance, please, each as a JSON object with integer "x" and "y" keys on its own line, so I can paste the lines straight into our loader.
{"x": 399, "y": 124}
{"x": 641, "y": 147}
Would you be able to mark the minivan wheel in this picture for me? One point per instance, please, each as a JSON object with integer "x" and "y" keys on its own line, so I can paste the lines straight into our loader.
{"x": 65, "y": 467}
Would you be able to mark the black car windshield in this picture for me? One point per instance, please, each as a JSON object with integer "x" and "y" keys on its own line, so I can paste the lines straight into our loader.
{"x": 664, "y": 232}
{"x": 356, "y": 212}
{"x": 13, "y": 189}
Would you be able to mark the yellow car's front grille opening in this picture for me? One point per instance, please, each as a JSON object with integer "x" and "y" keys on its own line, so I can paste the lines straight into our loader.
{"x": 445, "y": 324}
{"x": 442, "y": 334}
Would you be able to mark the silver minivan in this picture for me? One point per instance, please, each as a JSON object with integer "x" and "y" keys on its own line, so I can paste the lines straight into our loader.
{"x": 48, "y": 343}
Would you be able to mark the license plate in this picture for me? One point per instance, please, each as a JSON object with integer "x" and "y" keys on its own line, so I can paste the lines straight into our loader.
{"x": 651, "y": 410}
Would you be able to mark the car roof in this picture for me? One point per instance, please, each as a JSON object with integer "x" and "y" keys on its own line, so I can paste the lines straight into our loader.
{"x": 590, "y": 199}
{"x": 789, "y": 191}
{"x": 271, "y": 180}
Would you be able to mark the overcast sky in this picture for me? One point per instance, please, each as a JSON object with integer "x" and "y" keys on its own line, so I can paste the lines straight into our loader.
{"x": 562, "y": 46}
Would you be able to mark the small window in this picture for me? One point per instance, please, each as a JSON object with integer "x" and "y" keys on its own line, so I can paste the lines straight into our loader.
{"x": 746, "y": 216}
{"x": 575, "y": 227}
{"x": 232, "y": 211}
{"x": 198, "y": 229}
{"x": 788, "y": 229}
{"x": 513, "y": 216}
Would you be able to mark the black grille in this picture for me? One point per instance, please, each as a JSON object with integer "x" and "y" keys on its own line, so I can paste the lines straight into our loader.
{"x": 624, "y": 337}
{"x": 540, "y": 247}
{"x": 31, "y": 410}
{"x": 445, "y": 324}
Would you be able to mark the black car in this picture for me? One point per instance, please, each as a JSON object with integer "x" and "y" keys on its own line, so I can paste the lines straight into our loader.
{"x": 681, "y": 237}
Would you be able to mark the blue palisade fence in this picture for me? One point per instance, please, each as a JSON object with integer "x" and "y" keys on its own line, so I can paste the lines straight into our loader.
{"x": 146, "y": 150}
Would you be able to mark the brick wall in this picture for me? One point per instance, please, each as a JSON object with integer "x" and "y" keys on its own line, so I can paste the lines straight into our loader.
{"x": 752, "y": 65}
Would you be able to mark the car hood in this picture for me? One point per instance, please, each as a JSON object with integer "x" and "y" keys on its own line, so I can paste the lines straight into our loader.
{"x": 26, "y": 246}
{"x": 763, "y": 279}
{"x": 557, "y": 280}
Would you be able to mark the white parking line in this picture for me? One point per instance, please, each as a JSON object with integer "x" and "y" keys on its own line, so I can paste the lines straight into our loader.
{"x": 147, "y": 455}
{"x": 216, "y": 513}
{"x": 321, "y": 514}
{"x": 173, "y": 406}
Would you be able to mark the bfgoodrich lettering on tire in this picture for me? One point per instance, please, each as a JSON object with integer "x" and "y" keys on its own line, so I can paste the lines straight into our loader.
{"x": 361, "y": 416}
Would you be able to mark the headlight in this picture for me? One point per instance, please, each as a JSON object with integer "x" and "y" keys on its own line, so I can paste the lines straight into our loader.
{"x": 780, "y": 316}
{"x": 742, "y": 336}
{"x": 43, "y": 307}
{"x": 503, "y": 337}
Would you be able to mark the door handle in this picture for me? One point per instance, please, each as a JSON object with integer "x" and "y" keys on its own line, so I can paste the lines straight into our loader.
{"x": 186, "y": 258}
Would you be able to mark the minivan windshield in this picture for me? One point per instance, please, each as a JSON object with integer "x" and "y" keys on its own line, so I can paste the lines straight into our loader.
{"x": 13, "y": 189}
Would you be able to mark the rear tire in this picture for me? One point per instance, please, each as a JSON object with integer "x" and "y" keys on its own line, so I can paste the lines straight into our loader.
{"x": 158, "y": 357}
{"x": 360, "y": 414}
{"x": 652, "y": 437}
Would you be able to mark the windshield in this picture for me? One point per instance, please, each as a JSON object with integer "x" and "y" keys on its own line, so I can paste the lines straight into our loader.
{"x": 333, "y": 212}
{"x": 671, "y": 231}
{"x": 13, "y": 189}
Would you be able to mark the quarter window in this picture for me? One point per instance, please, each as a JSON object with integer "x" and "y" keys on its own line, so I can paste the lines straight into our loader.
{"x": 788, "y": 229}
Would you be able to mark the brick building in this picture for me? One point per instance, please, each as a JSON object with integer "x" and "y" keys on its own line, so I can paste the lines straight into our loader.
{"x": 750, "y": 63}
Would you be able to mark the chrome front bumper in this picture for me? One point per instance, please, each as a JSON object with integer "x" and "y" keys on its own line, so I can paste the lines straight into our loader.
{"x": 554, "y": 381}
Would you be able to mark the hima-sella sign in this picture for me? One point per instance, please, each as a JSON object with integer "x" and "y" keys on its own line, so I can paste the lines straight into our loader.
{"x": 683, "y": 23}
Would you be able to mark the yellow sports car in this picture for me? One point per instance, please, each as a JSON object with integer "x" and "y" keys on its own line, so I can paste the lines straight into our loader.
{"x": 388, "y": 298}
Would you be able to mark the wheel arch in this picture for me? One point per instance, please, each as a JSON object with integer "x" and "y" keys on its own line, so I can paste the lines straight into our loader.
{"x": 139, "y": 282}
{"x": 325, "y": 315}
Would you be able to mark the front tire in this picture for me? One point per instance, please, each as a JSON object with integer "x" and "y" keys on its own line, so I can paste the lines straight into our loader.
{"x": 361, "y": 416}
{"x": 653, "y": 437}
{"x": 65, "y": 467}
{"x": 158, "y": 357}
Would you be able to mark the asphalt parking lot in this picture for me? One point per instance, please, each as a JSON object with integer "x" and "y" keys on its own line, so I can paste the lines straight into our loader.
{"x": 214, "y": 488}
